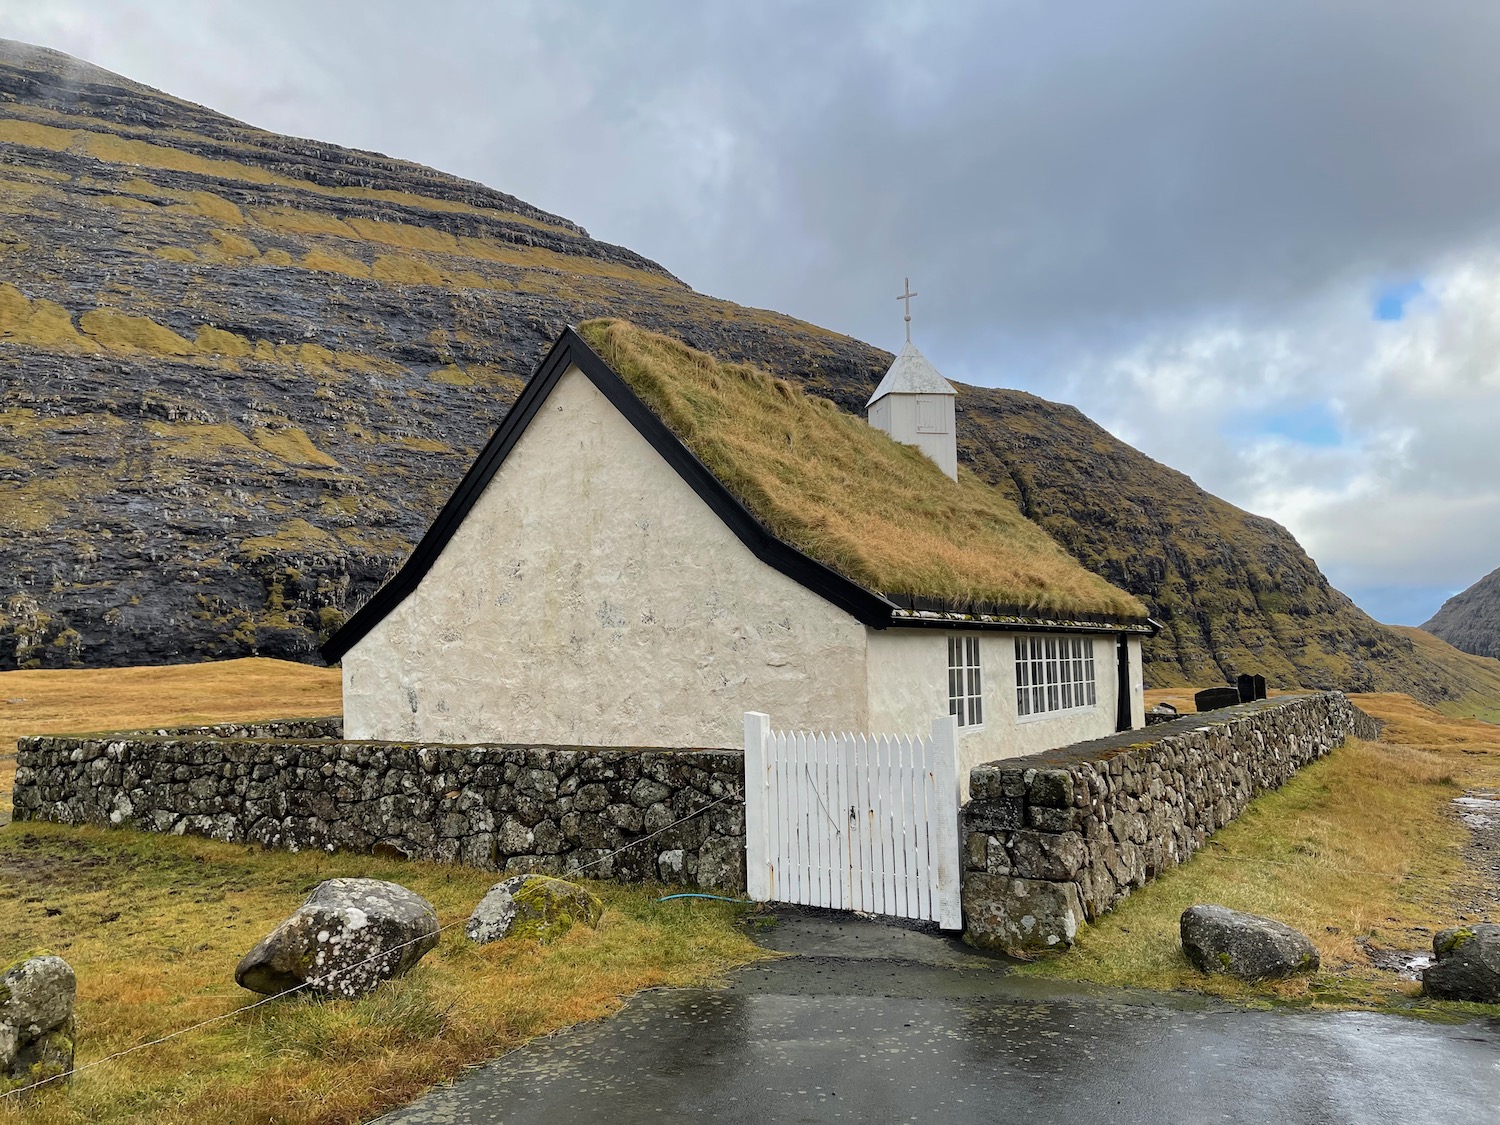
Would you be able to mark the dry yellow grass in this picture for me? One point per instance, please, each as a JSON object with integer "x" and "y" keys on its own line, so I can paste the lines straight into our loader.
{"x": 879, "y": 512}
{"x": 1365, "y": 844}
{"x": 154, "y": 925}
{"x": 1480, "y": 673}
{"x": 87, "y": 700}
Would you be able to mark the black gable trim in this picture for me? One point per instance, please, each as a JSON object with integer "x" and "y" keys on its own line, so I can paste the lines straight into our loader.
{"x": 572, "y": 350}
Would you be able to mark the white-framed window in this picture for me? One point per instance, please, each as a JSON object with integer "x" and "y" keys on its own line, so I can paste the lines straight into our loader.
{"x": 1054, "y": 674}
{"x": 965, "y": 682}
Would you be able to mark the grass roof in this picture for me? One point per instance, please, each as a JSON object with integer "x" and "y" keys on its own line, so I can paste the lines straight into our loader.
{"x": 878, "y": 512}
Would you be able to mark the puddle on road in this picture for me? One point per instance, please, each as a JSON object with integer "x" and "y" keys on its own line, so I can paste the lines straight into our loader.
{"x": 1479, "y": 809}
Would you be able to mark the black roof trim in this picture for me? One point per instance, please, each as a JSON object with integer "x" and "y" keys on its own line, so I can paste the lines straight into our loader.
{"x": 572, "y": 350}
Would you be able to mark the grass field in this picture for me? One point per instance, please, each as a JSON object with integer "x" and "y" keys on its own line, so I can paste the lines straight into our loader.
{"x": 85, "y": 701}
{"x": 154, "y": 925}
{"x": 1360, "y": 849}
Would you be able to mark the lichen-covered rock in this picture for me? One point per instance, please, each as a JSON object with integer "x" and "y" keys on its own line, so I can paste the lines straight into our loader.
{"x": 1021, "y": 915}
{"x": 36, "y": 1021}
{"x": 1466, "y": 964}
{"x": 1219, "y": 940}
{"x": 348, "y": 936}
{"x": 532, "y": 907}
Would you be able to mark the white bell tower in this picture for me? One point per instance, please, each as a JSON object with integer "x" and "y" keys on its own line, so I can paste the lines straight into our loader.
{"x": 914, "y": 403}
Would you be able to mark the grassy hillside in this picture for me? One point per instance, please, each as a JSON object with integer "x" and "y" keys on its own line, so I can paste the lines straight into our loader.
{"x": 80, "y": 701}
{"x": 1479, "y": 674}
{"x": 239, "y": 372}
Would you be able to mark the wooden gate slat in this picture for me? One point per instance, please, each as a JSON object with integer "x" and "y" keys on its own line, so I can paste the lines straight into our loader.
{"x": 854, "y": 821}
{"x": 911, "y": 877}
{"x": 866, "y": 759}
{"x": 922, "y": 799}
{"x": 843, "y": 870}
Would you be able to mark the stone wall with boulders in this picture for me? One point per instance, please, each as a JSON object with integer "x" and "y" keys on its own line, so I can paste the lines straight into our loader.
{"x": 550, "y": 810}
{"x": 1054, "y": 839}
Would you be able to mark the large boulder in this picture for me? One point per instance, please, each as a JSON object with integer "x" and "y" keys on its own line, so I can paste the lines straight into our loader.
{"x": 348, "y": 936}
{"x": 1466, "y": 964}
{"x": 36, "y": 1021}
{"x": 1219, "y": 940}
{"x": 532, "y": 907}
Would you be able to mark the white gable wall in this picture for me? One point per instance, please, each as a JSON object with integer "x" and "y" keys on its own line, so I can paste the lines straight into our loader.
{"x": 908, "y": 688}
{"x": 591, "y": 597}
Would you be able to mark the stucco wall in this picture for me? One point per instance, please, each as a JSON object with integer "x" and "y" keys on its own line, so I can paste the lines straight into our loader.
{"x": 591, "y": 597}
{"x": 908, "y": 688}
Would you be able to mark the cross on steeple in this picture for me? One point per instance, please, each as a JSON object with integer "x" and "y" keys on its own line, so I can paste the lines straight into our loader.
{"x": 907, "y": 296}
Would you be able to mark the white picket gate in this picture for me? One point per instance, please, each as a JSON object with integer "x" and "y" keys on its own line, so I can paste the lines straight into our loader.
{"x": 854, "y": 821}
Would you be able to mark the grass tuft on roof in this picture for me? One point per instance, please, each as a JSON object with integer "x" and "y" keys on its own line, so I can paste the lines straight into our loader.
{"x": 878, "y": 512}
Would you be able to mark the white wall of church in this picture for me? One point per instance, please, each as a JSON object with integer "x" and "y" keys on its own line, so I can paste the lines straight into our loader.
{"x": 591, "y": 597}
{"x": 908, "y": 688}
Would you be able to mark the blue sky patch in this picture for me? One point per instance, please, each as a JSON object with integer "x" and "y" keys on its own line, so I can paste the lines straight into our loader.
{"x": 1313, "y": 424}
{"x": 1391, "y": 301}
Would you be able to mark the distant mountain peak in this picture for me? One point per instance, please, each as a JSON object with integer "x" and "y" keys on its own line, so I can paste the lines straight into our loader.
{"x": 1470, "y": 621}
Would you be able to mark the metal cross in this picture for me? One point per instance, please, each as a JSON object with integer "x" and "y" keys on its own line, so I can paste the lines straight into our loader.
{"x": 907, "y": 296}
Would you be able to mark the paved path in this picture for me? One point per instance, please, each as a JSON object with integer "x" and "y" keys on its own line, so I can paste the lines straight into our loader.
{"x": 846, "y": 1032}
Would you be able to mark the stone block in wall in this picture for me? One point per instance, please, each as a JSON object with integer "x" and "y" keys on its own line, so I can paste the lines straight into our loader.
{"x": 1046, "y": 855}
{"x": 1051, "y": 789}
{"x": 1021, "y": 915}
{"x": 1001, "y": 814}
{"x": 1052, "y": 820}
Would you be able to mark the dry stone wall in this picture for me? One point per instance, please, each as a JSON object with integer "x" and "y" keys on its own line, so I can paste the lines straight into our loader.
{"x": 1059, "y": 837}
{"x": 546, "y": 809}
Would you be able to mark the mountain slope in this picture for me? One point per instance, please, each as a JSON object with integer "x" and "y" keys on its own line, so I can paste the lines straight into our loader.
{"x": 239, "y": 372}
{"x": 1470, "y": 621}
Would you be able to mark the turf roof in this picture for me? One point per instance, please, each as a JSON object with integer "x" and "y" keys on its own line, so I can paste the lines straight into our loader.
{"x": 846, "y": 494}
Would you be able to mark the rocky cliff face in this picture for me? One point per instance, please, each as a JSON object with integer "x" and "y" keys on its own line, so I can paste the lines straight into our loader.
{"x": 1470, "y": 621}
{"x": 239, "y": 373}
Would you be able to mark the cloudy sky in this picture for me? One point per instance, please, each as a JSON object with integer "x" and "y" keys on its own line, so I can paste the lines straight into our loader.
{"x": 1259, "y": 240}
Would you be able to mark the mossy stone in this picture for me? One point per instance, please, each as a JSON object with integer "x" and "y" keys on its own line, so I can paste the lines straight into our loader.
{"x": 532, "y": 908}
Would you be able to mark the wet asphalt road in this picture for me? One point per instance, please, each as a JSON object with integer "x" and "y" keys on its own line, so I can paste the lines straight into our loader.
{"x": 871, "y": 1023}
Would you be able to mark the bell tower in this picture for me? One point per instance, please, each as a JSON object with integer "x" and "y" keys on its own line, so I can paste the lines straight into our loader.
{"x": 915, "y": 404}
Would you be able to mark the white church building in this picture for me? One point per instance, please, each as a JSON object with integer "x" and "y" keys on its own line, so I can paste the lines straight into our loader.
{"x": 592, "y": 581}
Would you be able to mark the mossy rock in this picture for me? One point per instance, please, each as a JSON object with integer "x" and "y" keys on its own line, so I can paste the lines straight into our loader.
{"x": 1466, "y": 964}
{"x": 532, "y": 908}
{"x": 1450, "y": 941}
{"x": 36, "y": 1022}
